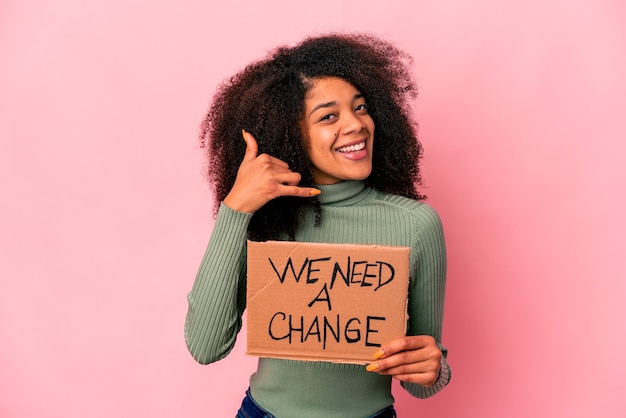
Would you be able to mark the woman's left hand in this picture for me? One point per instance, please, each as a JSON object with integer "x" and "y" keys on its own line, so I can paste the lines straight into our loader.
{"x": 415, "y": 359}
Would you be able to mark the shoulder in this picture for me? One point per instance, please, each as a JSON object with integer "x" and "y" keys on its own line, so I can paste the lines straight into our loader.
{"x": 420, "y": 217}
{"x": 422, "y": 212}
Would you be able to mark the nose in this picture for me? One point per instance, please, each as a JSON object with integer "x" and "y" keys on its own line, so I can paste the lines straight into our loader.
{"x": 352, "y": 123}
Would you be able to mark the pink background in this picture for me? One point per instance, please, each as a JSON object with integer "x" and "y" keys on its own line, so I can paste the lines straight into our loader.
{"x": 105, "y": 215}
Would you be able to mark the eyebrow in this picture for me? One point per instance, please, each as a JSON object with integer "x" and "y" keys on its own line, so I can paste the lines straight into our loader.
{"x": 331, "y": 104}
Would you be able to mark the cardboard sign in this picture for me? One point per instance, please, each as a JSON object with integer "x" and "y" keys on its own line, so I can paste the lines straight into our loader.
{"x": 327, "y": 302}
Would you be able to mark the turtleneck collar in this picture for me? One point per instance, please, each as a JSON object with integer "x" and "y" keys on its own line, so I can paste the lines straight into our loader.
{"x": 344, "y": 193}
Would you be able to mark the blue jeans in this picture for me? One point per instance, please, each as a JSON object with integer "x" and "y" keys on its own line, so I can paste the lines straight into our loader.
{"x": 250, "y": 409}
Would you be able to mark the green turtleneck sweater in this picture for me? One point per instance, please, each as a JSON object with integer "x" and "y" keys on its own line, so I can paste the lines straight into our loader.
{"x": 351, "y": 213}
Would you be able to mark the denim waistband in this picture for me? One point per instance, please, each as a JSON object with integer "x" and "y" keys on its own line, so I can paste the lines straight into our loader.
{"x": 388, "y": 412}
{"x": 250, "y": 409}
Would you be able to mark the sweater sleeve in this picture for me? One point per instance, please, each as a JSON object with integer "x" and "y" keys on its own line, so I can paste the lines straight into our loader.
{"x": 427, "y": 291}
{"x": 217, "y": 298}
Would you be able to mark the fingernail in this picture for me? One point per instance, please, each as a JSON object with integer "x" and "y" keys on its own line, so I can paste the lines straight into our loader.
{"x": 378, "y": 354}
{"x": 243, "y": 133}
{"x": 315, "y": 192}
{"x": 372, "y": 367}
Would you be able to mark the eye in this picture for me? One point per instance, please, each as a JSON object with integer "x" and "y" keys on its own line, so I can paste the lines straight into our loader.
{"x": 361, "y": 108}
{"x": 328, "y": 116}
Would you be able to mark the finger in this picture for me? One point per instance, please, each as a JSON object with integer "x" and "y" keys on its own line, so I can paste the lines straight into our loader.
{"x": 407, "y": 362}
{"x": 286, "y": 177}
{"x": 423, "y": 372}
{"x": 296, "y": 191}
{"x": 252, "y": 148}
{"x": 425, "y": 379}
{"x": 401, "y": 359}
{"x": 266, "y": 161}
{"x": 414, "y": 342}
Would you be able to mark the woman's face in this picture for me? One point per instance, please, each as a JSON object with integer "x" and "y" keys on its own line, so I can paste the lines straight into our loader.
{"x": 339, "y": 130}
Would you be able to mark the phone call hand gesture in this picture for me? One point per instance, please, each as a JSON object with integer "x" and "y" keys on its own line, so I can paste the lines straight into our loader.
{"x": 261, "y": 178}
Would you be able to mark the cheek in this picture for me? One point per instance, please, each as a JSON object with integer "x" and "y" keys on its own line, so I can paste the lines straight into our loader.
{"x": 323, "y": 140}
{"x": 370, "y": 125}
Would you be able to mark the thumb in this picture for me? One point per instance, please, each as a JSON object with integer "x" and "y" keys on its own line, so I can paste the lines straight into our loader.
{"x": 252, "y": 147}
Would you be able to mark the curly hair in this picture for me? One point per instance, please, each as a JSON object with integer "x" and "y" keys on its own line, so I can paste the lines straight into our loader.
{"x": 267, "y": 100}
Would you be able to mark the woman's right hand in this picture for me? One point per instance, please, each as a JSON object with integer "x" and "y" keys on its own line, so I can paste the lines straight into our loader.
{"x": 261, "y": 178}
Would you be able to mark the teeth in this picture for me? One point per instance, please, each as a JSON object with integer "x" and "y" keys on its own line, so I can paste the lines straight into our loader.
{"x": 352, "y": 148}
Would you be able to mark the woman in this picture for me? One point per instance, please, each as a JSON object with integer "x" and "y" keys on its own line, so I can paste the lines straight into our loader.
{"x": 329, "y": 154}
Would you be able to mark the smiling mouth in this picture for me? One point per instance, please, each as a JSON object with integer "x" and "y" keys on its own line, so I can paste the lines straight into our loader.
{"x": 352, "y": 148}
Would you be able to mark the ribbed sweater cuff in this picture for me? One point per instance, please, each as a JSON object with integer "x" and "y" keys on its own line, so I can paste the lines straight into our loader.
{"x": 230, "y": 220}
